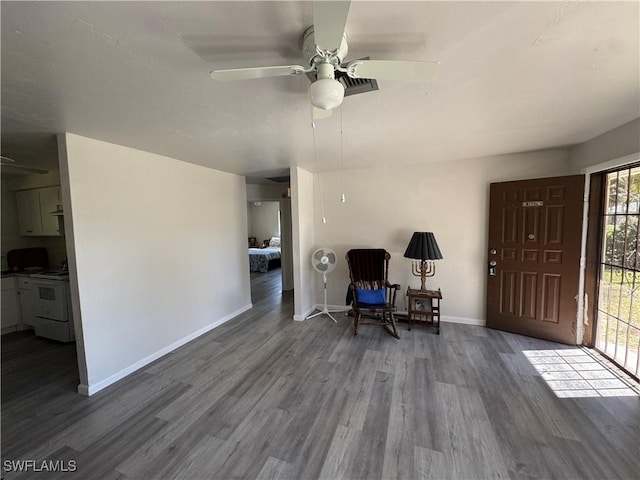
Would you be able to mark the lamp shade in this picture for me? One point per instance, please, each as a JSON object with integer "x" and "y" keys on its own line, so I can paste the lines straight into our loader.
{"x": 326, "y": 93}
{"x": 423, "y": 246}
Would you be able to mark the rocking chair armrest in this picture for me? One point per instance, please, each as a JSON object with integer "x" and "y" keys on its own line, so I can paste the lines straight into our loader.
{"x": 394, "y": 287}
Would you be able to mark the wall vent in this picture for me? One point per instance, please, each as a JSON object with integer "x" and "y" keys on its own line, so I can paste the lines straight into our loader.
{"x": 354, "y": 86}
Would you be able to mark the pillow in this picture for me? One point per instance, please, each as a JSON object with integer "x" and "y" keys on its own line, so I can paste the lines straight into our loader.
{"x": 370, "y": 297}
{"x": 274, "y": 242}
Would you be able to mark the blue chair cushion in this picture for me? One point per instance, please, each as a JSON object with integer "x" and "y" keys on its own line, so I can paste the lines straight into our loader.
{"x": 370, "y": 297}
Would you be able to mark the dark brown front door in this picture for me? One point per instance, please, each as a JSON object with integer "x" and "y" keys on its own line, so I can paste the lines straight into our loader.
{"x": 535, "y": 230}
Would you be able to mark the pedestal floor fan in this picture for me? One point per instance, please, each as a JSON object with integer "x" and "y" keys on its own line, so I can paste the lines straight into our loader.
{"x": 323, "y": 261}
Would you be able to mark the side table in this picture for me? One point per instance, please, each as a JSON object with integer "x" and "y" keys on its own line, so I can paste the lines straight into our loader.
{"x": 424, "y": 306}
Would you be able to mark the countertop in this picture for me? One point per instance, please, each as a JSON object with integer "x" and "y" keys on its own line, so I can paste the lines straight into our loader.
{"x": 49, "y": 274}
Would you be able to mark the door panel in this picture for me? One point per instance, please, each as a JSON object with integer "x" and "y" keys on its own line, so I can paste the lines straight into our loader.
{"x": 508, "y": 293}
{"x": 528, "y": 289}
{"x": 535, "y": 230}
{"x": 551, "y": 296}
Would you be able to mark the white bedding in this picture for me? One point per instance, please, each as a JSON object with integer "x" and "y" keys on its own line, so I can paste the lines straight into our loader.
{"x": 259, "y": 258}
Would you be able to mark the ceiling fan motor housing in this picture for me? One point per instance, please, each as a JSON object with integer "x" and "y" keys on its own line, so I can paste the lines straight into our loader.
{"x": 311, "y": 55}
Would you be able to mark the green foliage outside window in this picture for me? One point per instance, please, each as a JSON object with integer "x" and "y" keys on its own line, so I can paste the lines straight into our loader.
{"x": 622, "y": 241}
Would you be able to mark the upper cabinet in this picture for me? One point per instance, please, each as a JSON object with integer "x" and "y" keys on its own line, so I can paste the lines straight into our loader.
{"x": 28, "y": 212}
{"x": 35, "y": 209}
{"x": 50, "y": 201}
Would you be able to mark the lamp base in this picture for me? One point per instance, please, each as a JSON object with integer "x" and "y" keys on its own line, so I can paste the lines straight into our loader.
{"x": 423, "y": 269}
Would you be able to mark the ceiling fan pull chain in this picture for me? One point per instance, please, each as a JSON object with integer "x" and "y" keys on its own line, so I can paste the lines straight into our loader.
{"x": 315, "y": 151}
{"x": 342, "y": 197}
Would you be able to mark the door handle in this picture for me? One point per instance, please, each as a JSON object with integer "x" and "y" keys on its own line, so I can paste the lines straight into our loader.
{"x": 492, "y": 268}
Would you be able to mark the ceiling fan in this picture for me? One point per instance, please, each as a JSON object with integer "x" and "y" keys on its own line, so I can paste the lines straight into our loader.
{"x": 10, "y": 163}
{"x": 324, "y": 47}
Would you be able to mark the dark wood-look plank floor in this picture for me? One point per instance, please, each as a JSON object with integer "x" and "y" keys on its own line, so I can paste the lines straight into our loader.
{"x": 263, "y": 397}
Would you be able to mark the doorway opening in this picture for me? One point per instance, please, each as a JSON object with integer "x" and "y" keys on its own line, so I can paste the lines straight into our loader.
{"x": 269, "y": 228}
{"x": 617, "y": 322}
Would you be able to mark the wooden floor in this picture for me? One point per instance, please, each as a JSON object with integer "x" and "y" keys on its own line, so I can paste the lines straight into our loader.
{"x": 265, "y": 397}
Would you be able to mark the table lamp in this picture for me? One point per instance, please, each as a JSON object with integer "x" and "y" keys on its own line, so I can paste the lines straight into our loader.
{"x": 424, "y": 249}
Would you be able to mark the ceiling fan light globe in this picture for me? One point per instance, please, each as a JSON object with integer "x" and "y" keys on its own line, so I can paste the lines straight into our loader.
{"x": 326, "y": 93}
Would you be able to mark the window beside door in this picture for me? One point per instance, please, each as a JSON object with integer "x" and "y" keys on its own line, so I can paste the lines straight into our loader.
{"x": 618, "y": 312}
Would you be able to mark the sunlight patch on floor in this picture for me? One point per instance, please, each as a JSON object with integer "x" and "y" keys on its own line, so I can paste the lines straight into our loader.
{"x": 571, "y": 372}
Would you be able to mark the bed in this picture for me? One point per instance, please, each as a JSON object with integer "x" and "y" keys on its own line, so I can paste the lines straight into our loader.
{"x": 265, "y": 259}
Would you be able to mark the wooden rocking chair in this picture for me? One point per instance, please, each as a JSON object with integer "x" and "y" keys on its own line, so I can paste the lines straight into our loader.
{"x": 370, "y": 291}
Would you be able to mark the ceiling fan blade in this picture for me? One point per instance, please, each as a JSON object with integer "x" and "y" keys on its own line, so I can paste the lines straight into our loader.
{"x": 329, "y": 20}
{"x": 319, "y": 113}
{"x": 417, "y": 72}
{"x": 256, "y": 72}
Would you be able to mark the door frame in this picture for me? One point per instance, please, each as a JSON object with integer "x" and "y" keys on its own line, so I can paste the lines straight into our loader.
{"x": 589, "y": 294}
{"x": 565, "y": 329}
{"x": 286, "y": 228}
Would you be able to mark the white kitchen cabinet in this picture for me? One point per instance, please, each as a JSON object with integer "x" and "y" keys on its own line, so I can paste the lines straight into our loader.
{"x": 34, "y": 212}
{"x": 29, "y": 217}
{"x": 10, "y": 311}
{"x": 27, "y": 296}
{"x": 50, "y": 198}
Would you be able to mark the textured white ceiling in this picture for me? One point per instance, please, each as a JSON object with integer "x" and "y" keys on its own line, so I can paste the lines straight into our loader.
{"x": 515, "y": 76}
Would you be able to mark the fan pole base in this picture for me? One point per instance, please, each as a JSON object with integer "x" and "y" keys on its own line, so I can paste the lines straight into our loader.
{"x": 325, "y": 312}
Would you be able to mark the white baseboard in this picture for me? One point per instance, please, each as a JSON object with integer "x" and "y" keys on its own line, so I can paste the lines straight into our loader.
{"x": 443, "y": 319}
{"x": 332, "y": 308}
{"x": 317, "y": 308}
{"x": 11, "y": 329}
{"x": 303, "y": 317}
{"x": 83, "y": 390}
{"x": 463, "y": 320}
{"x": 89, "y": 390}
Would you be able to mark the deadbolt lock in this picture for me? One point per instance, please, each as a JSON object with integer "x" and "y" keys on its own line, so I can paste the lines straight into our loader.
{"x": 492, "y": 268}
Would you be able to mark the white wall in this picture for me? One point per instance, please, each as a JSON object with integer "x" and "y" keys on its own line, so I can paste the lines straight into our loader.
{"x": 386, "y": 205}
{"x": 264, "y": 220}
{"x": 302, "y": 206}
{"x": 286, "y": 246}
{"x": 619, "y": 142}
{"x": 159, "y": 253}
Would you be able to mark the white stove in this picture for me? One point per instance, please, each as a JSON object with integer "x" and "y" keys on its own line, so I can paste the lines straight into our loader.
{"x": 52, "y": 308}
